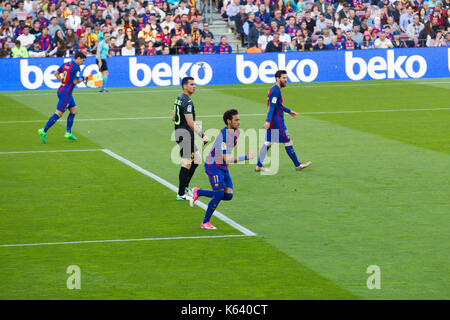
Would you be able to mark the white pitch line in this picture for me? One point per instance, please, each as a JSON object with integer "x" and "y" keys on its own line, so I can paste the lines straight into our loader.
{"x": 175, "y": 89}
{"x": 119, "y": 240}
{"x": 217, "y": 214}
{"x": 242, "y": 115}
{"x": 45, "y": 151}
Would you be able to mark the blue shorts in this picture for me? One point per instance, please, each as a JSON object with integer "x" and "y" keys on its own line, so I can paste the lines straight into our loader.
{"x": 65, "y": 101}
{"x": 219, "y": 177}
{"x": 279, "y": 135}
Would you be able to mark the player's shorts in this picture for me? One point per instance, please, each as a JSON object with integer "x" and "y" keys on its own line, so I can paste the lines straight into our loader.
{"x": 65, "y": 101}
{"x": 185, "y": 140}
{"x": 104, "y": 66}
{"x": 277, "y": 135}
{"x": 219, "y": 177}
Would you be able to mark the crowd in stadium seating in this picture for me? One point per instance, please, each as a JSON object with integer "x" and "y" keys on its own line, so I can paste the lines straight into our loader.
{"x": 41, "y": 28}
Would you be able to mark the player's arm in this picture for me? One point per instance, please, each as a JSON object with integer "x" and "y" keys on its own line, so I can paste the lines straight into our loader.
{"x": 58, "y": 76}
{"x": 227, "y": 158}
{"x": 195, "y": 127}
{"x": 291, "y": 112}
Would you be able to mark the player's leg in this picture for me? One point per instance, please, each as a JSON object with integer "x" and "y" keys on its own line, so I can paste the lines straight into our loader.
{"x": 194, "y": 165}
{"x": 60, "y": 108}
{"x": 263, "y": 151}
{"x": 73, "y": 110}
{"x": 288, "y": 145}
{"x": 218, "y": 185}
{"x": 187, "y": 156}
{"x": 228, "y": 190}
{"x": 104, "y": 77}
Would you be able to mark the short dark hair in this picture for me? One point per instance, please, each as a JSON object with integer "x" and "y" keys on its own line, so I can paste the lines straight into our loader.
{"x": 228, "y": 115}
{"x": 80, "y": 54}
{"x": 279, "y": 73}
{"x": 185, "y": 81}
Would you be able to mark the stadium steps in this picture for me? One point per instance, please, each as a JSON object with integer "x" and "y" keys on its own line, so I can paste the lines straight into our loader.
{"x": 219, "y": 28}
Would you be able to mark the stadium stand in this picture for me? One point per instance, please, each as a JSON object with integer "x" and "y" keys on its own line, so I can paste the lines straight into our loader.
{"x": 39, "y": 28}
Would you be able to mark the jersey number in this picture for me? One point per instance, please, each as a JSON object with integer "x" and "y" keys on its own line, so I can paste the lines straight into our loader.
{"x": 176, "y": 109}
{"x": 63, "y": 76}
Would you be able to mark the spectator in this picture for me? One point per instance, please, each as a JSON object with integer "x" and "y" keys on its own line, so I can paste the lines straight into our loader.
{"x": 323, "y": 6}
{"x": 426, "y": 35}
{"x": 264, "y": 39}
{"x": 349, "y": 44}
{"x": 321, "y": 23}
{"x": 18, "y": 51}
{"x": 413, "y": 30}
{"x": 42, "y": 20}
{"x": 303, "y": 44}
{"x": 20, "y": 12}
{"x": 196, "y": 33}
{"x": 150, "y": 50}
{"x": 239, "y": 21}
{"x": 168, "y": 22}
{"x": 310, "y": 23}
{"x": 383, "y": 42}
{"x": 129, "y": 35}
{"x": 53, "y": 27}
{"x": 345, "y": 25}
{"x": 367, "y": 42}
{"x": 45, "y": 40}
{"x": 275, "y": 44}
{"x": 35, "y": 51}
{"x": 206, "y": 32}
{"x": 185, "y": 24}
{"x": 60, "y": 44}
{"x": 447, "y": 39}
{"x": 396, "y": 42}
{"x": 120, "y": 36}
{"x": 71, "y": 41}
{"x": 279, "y": 19}
{"x": 344, "y": 13}
{"x": 26, "y": 39}
{"x": 251, "y": 7}
{"x": 284, "y": 37}
{"x": 223, "y": 46}
{"x": 191, "y": 46}
{"x": 128, "y": 49}
{"x": 392, "y": 24}
{"x": 353, "y": 18}
{"x": 326, "y": 34}
{"x": 207, "y": 47}
{"x": 320, "y": 45}
{"x": 356, "y": 35}
{"x": 253, "y": 48}
{"x": 334, "y": 45}
{"x": 91, "y": 39}
{"x": 74, "y": 20}
{"x": 291, "y": 28}
{"x": 36, "y": 30}
{"x": 254, "y": 32}
{"x": 406, "y": 18}
{"x": 232, "y": 10}
{"x": 262, "y": 15}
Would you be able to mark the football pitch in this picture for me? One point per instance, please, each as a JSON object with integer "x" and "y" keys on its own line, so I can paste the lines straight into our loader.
{"x": 377, "y": 194}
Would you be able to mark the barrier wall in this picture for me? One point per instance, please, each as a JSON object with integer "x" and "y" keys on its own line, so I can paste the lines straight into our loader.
{"x": 150, "y": 71}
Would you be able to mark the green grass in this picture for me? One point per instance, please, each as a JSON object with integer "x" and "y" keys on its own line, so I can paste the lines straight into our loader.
{"x": 376, "y": 194}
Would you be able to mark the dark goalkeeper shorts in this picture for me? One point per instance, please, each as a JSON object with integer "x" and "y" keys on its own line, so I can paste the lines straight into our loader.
{"x": 185, "y": 140}
{"x": 104, "y": 66}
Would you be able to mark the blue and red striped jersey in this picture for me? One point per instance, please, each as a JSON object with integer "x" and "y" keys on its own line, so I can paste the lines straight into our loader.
{"x": 69, "y": 71}
{"x": 225, "y": 142}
